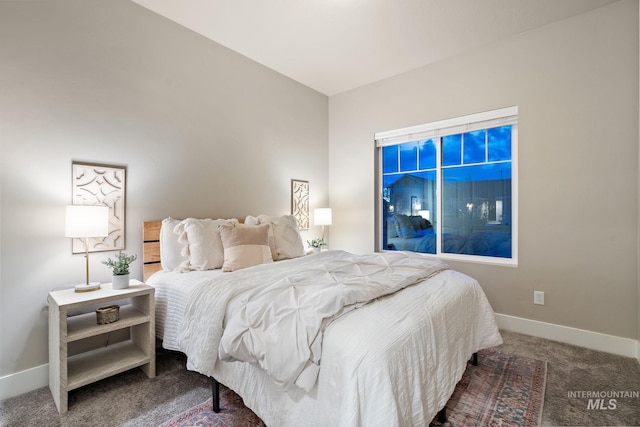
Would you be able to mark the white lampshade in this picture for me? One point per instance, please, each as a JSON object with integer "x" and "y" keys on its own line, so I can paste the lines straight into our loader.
{"x": 322, "y": 216}
{"x": 83, "y": 221}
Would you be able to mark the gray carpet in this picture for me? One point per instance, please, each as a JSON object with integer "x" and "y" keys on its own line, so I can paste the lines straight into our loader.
{"x": 128, "y": 399}
{"x": 131, "y": 399}
{"x": 573, "y": 370}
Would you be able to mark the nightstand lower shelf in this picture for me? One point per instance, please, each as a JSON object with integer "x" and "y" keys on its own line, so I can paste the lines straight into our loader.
{"x": 86, "y": 368}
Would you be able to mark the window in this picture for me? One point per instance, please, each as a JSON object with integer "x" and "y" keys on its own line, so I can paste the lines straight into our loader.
{"x": 448, "y": 188}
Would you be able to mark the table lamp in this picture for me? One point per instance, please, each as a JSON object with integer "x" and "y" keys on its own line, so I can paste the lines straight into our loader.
{"x": 84, "y": 221}
{"x": 322, "y": 216}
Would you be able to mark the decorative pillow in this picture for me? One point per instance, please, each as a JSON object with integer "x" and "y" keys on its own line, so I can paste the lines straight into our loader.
{"x": 245, "y": 246}
{"x": 170, "y": 247}
{"x": 288, "y": 242}
{"x": 203, "y": 246}
{"x": 253, "y": 221}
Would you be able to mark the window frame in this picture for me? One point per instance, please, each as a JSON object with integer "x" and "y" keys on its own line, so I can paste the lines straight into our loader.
{"x": 438, "y": 130}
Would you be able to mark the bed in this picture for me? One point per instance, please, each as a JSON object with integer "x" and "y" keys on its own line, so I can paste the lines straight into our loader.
{"x": 390, "y": 356}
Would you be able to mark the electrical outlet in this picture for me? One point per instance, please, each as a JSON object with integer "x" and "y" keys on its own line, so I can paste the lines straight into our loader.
{"x": 538, "y": 297}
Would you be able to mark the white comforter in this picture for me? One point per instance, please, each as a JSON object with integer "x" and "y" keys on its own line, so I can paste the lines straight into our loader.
{"x": 279, "y": 325}
{"x": 393, "y": 362}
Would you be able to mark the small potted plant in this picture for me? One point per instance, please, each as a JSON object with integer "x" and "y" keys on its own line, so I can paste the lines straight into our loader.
{"x": 120, "y": 269}
{"x": 316, "y": 244}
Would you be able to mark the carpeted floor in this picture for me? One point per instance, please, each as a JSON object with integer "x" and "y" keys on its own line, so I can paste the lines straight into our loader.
{"x": 576, "y": 371}
{"x": 131, "y": 399}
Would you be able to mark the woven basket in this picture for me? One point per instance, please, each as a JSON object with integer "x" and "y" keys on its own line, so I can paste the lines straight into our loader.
{"x": 107, "y": 314}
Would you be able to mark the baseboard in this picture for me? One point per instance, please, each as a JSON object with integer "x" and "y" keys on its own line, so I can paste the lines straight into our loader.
{"x": 594, "y": 340}
{"x": 24, "y": 381}
{"x": 34, "y": 378}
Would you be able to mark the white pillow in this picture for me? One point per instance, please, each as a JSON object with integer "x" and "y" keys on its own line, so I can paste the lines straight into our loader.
{"x": 285, "y": 233}
{"x": 245, "y": 246}
{"x": 170, "y": 247}
{"x": 202, "y": 243}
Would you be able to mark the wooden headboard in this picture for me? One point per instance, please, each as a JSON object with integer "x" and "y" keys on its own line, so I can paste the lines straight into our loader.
{"x": 150, "y": 248}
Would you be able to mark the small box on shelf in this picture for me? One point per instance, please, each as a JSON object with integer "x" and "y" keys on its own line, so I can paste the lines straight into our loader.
{"x": 108, "y": 314}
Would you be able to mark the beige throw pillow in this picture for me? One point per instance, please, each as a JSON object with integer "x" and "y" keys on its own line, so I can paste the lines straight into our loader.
{"x": 288, "y": 242}
{"x": 245, "y": 246}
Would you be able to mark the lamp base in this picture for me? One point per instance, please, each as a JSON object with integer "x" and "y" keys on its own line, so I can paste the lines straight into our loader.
{"x": 87, "y": 287}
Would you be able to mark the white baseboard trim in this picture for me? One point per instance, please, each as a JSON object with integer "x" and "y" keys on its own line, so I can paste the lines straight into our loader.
{"x": 24, "y": 381}
{"x": 594, "y": 340}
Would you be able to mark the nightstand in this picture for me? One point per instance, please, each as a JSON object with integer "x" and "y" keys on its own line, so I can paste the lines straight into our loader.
{"x": 71, "y": 372}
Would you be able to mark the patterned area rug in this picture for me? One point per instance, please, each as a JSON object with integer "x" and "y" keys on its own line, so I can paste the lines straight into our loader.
{"x": 233, "y": 413}
{"x": 503, "y": 390}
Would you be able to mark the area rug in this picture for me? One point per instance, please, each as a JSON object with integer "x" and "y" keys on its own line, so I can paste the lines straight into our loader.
{"x": 233, "y": 413}
{"x": 503, "y": 390}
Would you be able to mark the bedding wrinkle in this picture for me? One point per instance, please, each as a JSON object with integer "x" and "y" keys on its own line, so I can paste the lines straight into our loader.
{"x": 295, "y": 309}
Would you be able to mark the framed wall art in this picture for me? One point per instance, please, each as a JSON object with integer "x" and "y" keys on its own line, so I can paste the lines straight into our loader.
{"x": 300, "y": 202}
{"x": 97, "y": 184}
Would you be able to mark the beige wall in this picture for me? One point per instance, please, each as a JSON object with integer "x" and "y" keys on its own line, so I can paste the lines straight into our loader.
{"x": 576, "y": 85}
{"x": 202, "y": 131}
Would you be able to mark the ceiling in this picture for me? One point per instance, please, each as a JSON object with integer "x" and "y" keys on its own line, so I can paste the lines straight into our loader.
{"x": 336, "y": 45}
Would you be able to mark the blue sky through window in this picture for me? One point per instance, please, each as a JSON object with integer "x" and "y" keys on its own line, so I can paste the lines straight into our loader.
{"x": 490, "y": 147}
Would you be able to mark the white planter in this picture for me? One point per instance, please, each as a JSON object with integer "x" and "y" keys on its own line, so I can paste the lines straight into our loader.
{"x": 120, "y": 282}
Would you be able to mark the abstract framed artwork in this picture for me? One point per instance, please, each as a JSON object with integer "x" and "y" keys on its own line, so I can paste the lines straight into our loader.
{"x": 300, "y": 202}
{"x": 98, "y": 184}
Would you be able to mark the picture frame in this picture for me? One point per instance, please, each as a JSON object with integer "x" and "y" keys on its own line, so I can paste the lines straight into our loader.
{"x": 300, "y": 202}
{"x": 100, "y": 184}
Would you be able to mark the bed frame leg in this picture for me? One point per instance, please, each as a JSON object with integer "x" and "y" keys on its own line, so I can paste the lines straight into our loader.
{"x": 442, "y": 415}
{"x": 215, "y": 394}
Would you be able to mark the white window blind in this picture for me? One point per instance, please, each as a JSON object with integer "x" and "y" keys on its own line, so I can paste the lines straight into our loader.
{"x": 485, "y": 120}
